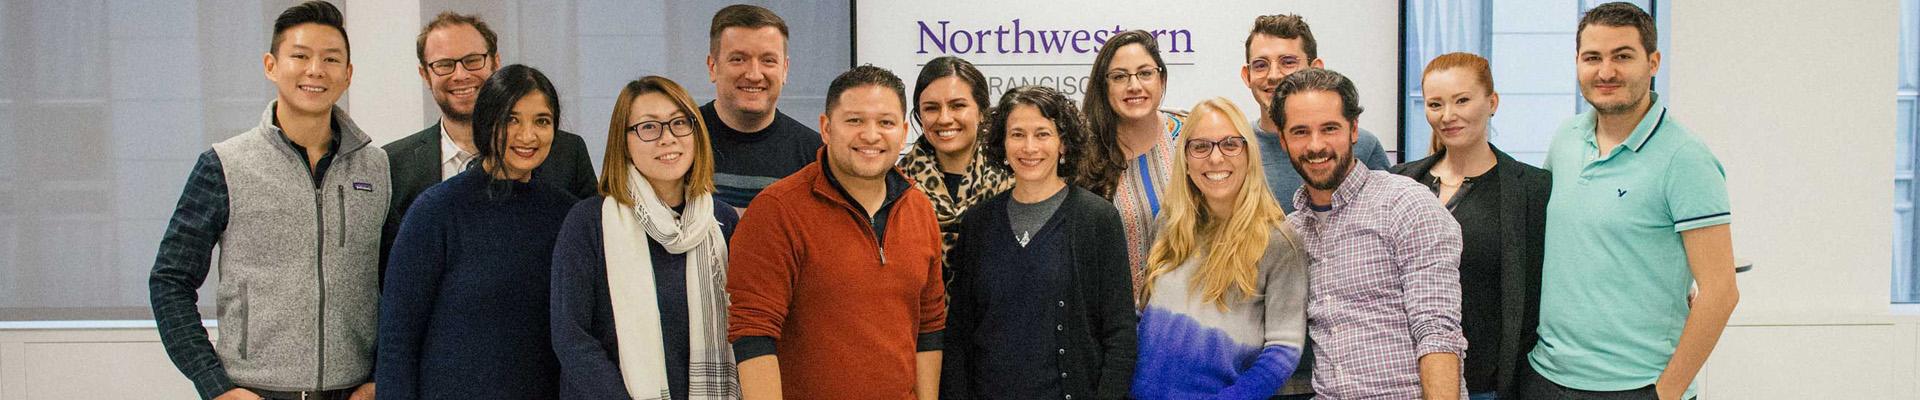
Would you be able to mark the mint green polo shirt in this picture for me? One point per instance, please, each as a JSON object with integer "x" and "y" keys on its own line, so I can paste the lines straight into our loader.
{"x": 1615, "y": 279}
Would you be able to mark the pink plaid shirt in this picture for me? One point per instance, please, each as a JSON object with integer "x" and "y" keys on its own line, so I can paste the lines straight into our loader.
{"x": 1384, "y": 285}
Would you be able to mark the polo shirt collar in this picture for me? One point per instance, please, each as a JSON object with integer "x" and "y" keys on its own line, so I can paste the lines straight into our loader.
{"x": 1642, "y": 133}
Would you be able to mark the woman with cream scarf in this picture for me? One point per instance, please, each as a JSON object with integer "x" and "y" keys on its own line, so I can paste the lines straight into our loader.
{"x": 639, "y": 273}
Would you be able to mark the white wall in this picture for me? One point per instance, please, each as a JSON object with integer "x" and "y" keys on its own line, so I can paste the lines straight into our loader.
{"x": 1798, "y": 105}
{"x": 94, "y": 361}
{"x": 386, "y": 96}
{"x": 1795, "y": 99}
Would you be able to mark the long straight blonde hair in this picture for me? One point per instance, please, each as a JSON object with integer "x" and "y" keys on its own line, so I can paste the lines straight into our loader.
{"x": 1233, "y": 242}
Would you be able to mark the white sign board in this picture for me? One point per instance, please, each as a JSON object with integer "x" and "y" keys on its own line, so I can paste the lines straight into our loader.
{"x": 1203, "y": 43}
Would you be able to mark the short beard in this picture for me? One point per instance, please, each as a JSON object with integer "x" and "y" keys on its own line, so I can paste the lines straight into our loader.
{"x": 446, "y": 109}
{"x": 1628, "y": 106}
{"x": 1343, "y": 166}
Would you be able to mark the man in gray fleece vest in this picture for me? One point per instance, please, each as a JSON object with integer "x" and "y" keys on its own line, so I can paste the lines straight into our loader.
{"x": 295, "y": 206}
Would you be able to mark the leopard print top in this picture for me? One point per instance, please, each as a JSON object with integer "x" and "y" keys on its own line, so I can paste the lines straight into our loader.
{"x": 982, "y": 182}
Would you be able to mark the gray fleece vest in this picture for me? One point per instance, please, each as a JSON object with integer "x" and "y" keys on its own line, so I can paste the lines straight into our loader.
{"x": 299, "y": 265}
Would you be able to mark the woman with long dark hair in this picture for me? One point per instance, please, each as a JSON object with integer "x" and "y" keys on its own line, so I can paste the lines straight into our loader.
{"x": 1132, "y": 148}
{"x": 950, "y": 103}
{"x": 463, "y": 312}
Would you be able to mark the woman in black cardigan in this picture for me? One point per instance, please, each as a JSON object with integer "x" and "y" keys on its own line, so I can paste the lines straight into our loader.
{"x": 1501, "y": 206}
{"x": 1042, "y": 303}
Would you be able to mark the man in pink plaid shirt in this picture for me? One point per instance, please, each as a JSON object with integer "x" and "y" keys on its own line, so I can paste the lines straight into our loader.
{"x": 1384, "y": 309}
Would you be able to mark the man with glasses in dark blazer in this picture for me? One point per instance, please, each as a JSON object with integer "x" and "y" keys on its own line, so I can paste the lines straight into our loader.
{"x": 457, "y": 54}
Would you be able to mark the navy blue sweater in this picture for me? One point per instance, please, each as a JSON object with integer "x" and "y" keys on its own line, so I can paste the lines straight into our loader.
{"x": 463, "y": 313}
{"x": 746, "y": 162}
{"x": 583, "y": 331}
{"x": 1090, "y": 321}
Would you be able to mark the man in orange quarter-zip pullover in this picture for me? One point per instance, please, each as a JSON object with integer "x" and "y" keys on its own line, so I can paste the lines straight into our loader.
{"x": 835, "y": 279}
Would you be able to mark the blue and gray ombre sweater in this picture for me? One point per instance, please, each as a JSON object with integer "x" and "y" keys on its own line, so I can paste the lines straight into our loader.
{"x": 1190, "y": 348}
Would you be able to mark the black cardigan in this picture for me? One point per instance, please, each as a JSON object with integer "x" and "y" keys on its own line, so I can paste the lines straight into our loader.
{"x": 1523, "y": 216}
{"x": 1100, "y": 330}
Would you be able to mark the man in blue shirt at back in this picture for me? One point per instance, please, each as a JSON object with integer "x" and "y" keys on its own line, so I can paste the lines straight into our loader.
{"x": 1278, "y": 46}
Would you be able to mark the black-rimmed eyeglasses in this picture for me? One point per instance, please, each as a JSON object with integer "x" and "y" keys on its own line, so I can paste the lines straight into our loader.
{"x": 1230, "y": 147}
{"x": 472, "y": 62}
{"x": 648, "y": 131}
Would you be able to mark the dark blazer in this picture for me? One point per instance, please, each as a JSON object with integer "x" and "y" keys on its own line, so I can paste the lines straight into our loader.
{"x": 1100, "y": 324}
{"x": 413, "y": 163}
{"x": 1523, "y": 217}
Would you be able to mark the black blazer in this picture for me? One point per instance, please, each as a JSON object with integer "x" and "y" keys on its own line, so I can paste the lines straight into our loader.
{"x": 1100, "y": 324}
{"x": 1523, "y": 217}
{"x": 413, "y": 164}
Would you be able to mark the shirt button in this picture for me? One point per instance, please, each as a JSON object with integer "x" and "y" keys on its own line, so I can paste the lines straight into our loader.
{"x": 1059, "y": 327}
{"x": 1063, "y": 375}
{"x": 1069, "y": 397}
{"x": 1063, "y": 304}
{"x": 1063, "y": 351}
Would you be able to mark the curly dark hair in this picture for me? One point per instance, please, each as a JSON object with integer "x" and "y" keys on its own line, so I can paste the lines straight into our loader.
{"x": 1075, "y": 139}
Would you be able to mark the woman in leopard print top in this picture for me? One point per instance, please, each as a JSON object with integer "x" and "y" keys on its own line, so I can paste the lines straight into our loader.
{"x": 950, "y": 103}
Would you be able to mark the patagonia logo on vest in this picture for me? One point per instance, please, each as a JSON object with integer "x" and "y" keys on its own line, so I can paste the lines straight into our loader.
{"x": 363, "y": 186}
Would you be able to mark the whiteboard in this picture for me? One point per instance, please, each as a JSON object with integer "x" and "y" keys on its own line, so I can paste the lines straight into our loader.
{"x": 1203, "y": 43}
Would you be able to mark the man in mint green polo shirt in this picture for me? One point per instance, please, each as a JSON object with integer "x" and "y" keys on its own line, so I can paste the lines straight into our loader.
{"x": 1638, "y": 215}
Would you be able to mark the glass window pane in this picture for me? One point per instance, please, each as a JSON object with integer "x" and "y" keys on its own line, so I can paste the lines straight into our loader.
{"x": 1906, "y": 272}
{"x": 620, "y": 40}
{"x": 1909, "y": 53}
{"x": 1419, "y": 134}
{"x": 1590, "y": 4}
{"x": 1436, "y": 27}
{"x": 1903, "y": 157}
{"x": 82, "y": 246}
{"x": 1906, "y": 289}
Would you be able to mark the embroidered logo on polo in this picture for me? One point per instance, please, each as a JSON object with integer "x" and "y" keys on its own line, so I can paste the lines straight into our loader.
{"x": 1622, "y": 192}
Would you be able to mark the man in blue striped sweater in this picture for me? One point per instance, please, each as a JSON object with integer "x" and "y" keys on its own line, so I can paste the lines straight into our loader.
{"x": 754, "y": 144}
